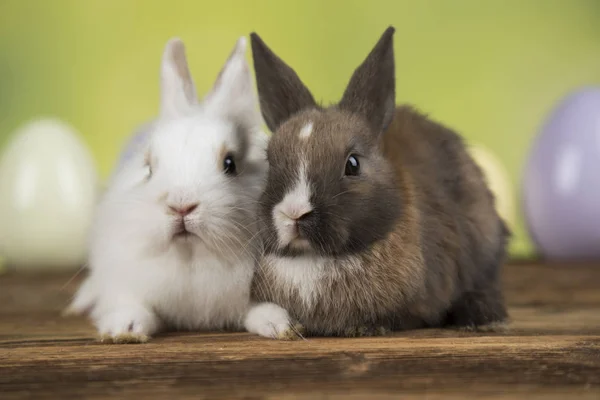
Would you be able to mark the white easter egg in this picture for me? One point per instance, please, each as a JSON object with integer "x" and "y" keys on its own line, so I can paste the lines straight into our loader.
{"x": 497, "y": 180}
{"x": 48, "y": 190}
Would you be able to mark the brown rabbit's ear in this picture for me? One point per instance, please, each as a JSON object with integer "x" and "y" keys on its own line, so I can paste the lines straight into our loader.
{"x": 371, "y": 91}
{"x": 280, "y": 90}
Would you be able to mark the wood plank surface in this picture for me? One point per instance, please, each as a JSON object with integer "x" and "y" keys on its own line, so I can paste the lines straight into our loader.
{"x": 551, "y": 350}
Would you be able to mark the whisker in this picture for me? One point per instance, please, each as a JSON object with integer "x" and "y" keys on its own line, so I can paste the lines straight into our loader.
{"x": 79, "y": 271}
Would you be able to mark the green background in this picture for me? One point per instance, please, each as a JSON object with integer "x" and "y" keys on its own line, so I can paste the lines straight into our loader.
{"x": 490, "y": 69}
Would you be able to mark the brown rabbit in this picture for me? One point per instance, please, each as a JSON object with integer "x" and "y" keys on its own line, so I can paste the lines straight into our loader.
{"x": 374, "y": 217}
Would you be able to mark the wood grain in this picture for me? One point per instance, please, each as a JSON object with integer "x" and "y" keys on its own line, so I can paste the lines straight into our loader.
{"x": 551, "y": 351}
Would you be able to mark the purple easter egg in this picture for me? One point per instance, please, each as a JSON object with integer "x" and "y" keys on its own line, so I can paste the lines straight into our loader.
{"x": 561, "y": 185}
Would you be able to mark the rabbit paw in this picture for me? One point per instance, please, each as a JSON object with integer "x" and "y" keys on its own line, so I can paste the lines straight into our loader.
{"x": 366, "y": 330}
{"x": 271, "y": 321}
{"x": 134, "y": 325}
{"x": 493, "y": 327}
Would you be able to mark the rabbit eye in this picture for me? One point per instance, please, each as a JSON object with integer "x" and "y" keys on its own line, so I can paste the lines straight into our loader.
{"x": 352, "y": 166}
{"x": 148, "y": 167}
{"x": 229, "y": 165}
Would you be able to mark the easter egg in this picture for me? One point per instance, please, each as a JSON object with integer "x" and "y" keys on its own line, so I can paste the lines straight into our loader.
{"x": 498, "y": 181}
{"x": 48, "y": 189}
{"x": 561, "y": 182}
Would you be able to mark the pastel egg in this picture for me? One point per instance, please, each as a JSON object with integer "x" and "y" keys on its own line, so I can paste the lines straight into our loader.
{"x": 498, "y": 181}
{"x": 561, "y": 180}
{"x": 48, "y": 190}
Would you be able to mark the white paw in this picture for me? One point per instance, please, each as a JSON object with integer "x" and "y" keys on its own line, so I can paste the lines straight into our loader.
{"x": 270, "y": 320}
{"x": 127, "y": 325}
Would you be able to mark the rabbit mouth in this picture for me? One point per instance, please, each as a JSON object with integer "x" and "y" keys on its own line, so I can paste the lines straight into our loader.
{"x": 183, "y": 234}
{"x": 295, "y": 248}
{"x": 181, "y": 231}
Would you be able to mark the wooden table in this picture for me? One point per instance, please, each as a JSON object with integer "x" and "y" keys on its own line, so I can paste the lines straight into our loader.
{"x": 551, "y": 351}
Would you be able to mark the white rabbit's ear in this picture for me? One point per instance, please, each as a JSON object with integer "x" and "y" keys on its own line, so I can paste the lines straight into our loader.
{"x": 232, "y": 95}
{"x": 178, "y": 92}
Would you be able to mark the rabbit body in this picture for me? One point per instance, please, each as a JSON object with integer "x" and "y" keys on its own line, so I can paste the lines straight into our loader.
{"x": 174, "y": 241}
{"x": 375, "y": 218}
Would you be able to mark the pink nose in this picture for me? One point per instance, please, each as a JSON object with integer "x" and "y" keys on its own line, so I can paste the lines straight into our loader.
{"x": 184, "y": 210}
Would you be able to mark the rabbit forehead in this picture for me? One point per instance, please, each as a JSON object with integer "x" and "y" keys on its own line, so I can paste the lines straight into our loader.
{"x": 320, "y": 140}
{"x": 195, "y": 141}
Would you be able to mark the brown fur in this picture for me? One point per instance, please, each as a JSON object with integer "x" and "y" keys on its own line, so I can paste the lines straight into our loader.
{"x": 413, "y": 241}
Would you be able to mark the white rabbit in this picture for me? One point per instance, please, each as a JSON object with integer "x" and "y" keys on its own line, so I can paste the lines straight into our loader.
{"x": 173, "y": 244}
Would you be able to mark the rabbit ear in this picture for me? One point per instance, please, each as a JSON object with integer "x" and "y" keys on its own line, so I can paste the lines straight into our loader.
{"x": 178, "y": 93}
{"x": 280, "y": 90}
{"x": 232, "y": 95}
{"x": 371, "y": 91}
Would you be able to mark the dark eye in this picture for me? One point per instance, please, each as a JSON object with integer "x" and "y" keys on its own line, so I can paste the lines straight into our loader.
{"x": 352, "y": 166}
{"x": 148, "y": 167}
{"x": 229, "y": 165}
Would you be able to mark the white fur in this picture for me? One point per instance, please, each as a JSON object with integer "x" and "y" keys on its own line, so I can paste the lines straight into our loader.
{"x": 143, "y": 279}
{"x": 306, "y": 131}
{"x": 268, "y": 320}
{"x": 178, "y": 92}
{"x": 294, "y": 204}
{"x": 305, "y": 275}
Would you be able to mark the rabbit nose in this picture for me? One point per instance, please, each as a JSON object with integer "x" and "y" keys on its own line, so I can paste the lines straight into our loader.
{"x": 304, "y": 217}
{"x": 183, "y": 210}
{"x": 306, "y": 221}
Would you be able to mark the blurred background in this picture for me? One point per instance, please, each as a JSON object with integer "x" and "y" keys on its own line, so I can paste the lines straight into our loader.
{"x": 492, "y": 70}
